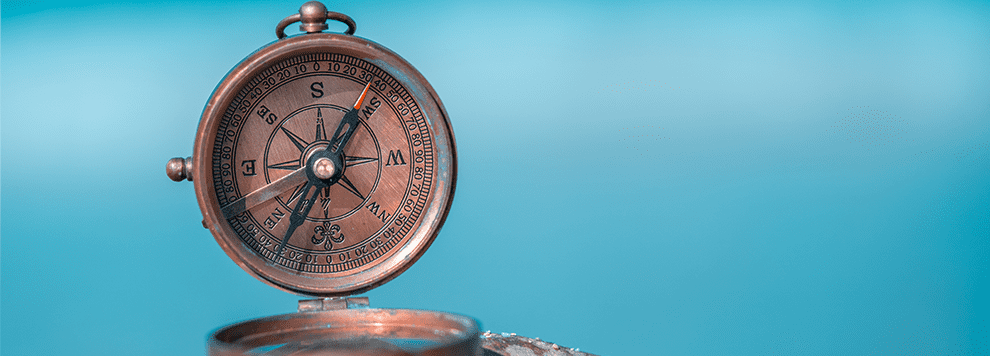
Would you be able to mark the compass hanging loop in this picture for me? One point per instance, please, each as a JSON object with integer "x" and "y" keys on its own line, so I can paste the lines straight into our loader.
{"x": 312, "y": 18}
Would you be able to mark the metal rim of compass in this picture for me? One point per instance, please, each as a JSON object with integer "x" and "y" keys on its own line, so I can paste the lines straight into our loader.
{"x": 421, "y": 235}
{"x": 351, "y": 332}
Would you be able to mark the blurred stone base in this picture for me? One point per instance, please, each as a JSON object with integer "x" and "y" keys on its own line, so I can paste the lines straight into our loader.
{"x": 505, "y": 344}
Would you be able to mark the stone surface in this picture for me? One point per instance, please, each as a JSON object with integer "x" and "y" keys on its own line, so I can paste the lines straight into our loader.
{"x": 510, "y": 344}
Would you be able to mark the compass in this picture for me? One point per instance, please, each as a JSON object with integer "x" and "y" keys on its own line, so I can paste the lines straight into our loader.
{"x": 324, "y": 165}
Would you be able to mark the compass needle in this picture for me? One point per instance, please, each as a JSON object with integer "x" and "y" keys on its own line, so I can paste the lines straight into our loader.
{"x": 325, "y": 166}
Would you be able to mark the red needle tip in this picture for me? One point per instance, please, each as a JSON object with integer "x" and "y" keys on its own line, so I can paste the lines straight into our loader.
{"x": 360, "y": 100}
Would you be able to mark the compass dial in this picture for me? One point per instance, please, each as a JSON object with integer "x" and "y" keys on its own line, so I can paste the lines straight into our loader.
{"x": 324, "y": 170}
{"x": 283, "y": 119}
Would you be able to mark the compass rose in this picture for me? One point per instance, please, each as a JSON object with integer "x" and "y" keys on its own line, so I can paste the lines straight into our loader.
{"x": 303, "y": 148}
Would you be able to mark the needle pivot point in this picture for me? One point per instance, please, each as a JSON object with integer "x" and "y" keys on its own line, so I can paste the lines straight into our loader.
{"x": 323, "y": 168}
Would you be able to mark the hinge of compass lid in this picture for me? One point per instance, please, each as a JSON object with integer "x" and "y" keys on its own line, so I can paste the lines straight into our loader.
{"x": 314, "y": 305}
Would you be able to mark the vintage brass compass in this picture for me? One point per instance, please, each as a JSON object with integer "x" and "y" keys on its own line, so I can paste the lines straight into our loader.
{"x": 324, "y": 165}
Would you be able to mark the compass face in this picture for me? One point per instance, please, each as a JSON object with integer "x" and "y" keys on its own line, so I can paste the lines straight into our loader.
{"x": 328, "y": 167}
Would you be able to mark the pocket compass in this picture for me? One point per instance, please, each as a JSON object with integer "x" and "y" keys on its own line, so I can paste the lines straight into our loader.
{"x": 324, "y": 165}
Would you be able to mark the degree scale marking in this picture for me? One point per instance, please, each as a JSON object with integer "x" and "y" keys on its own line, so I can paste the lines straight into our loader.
{"x": 251, "y": 230}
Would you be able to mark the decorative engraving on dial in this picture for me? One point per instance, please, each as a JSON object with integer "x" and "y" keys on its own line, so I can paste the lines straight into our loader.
{"x": 279, "y": 120}
{"x": 327, "y": 233}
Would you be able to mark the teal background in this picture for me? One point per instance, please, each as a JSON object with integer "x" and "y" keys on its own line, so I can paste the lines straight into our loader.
{"x": 695, "y": 177}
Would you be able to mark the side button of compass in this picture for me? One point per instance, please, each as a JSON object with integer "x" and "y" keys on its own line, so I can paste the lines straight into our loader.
{"x": 179, "y": 169}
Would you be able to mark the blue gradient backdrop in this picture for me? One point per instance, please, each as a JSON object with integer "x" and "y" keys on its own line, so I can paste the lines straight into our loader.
{"x": 689, "y": 177}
